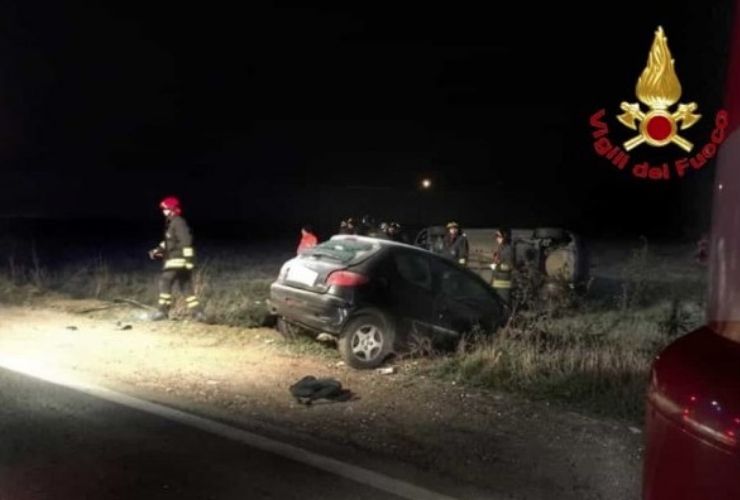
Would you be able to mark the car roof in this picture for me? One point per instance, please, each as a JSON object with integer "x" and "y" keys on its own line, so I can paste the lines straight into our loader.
{"x": 381, "y": 241}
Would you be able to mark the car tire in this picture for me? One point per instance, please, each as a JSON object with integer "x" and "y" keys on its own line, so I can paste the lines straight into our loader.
{"x": 366, "y": 340}
{"x": 422, "y": 238}
{"x": 561, "y": 264}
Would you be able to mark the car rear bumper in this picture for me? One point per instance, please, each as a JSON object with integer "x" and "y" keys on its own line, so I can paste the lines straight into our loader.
{"x": 319, "y": 312}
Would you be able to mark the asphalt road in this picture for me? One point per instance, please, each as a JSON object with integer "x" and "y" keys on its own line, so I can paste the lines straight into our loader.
{"x": 57, "y": 443}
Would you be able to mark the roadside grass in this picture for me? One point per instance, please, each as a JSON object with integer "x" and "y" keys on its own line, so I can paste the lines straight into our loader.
{"x": 232, "y": 286}
{"x": 594, "y": 354}
{"x": 590, "y": 353}
{"x": 564, "y": 360}
{"x": 302, "y": 345}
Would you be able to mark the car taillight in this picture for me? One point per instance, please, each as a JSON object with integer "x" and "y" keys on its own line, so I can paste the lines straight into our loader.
{"x": 346, "y": 278}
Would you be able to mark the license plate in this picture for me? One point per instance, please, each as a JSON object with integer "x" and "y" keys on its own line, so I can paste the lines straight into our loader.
{"x": 299, "y": 274}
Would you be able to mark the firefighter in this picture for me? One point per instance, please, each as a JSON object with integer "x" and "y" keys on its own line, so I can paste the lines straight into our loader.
{"x": 368, "y": 227}
{"x": 351, "y": 226}
{"x": 177, "y": 253}
{"x": 503, "y": 264}
{"x": 456, "y": 244}
{"x": 394, "y": 232}
{"x": 308, "y": 239}
{"x": 384, "y": 231}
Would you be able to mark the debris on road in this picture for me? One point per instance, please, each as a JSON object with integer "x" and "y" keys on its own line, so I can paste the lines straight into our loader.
{"x": 325, "y": 337}
{"x": 310, "y": 389}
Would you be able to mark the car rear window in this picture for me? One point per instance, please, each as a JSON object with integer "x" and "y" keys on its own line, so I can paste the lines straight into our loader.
{"x": 342, "y": 250}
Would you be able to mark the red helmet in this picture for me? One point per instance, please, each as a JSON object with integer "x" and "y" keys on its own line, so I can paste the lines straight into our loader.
{"x": 172, "y": 204}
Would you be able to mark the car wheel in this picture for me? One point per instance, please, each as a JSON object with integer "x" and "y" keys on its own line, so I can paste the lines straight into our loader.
{"x": 552, "y": 233}
{"x": 366, "y": 340}
{"x": 422, "y": 238}
{"x": 561, "y": 264}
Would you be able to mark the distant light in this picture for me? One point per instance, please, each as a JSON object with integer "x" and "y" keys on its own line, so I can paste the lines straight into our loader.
{"x": 720, "y": 187}
{"x": 426, "y": 183}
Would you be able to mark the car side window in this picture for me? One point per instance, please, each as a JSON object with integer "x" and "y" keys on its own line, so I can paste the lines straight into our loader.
{"x": 456, "y": 284}
{"x": 414, "y": 269}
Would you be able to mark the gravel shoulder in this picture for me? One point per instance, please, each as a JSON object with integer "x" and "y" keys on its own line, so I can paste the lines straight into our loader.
{"x": 398, "y": 423}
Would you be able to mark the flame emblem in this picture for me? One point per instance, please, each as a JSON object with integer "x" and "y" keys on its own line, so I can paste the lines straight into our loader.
{"x": 658, "y": 88}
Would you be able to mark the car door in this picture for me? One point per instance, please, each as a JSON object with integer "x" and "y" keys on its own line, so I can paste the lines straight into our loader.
{"x": 463, "y": 301}
{"x": 410, "y": 292}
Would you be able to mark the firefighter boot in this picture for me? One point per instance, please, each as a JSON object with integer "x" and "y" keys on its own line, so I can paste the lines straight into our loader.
{"x": 160, "y": 314}
{"x": 197, "y": 314}
{"x": 195, "y": 309}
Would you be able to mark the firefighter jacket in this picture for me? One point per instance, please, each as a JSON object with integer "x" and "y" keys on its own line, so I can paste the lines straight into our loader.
{"x": 503, "y": 265}
{"x": 177, "y": 247}
{"x": 308, "y": 240}
{"x": 457, "y": 249}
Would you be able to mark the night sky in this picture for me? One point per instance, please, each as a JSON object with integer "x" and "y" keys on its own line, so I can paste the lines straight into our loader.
{"x": 264, "y": 112}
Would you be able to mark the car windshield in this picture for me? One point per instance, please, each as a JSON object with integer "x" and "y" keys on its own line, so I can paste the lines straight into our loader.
{"x": 343, "y": 250}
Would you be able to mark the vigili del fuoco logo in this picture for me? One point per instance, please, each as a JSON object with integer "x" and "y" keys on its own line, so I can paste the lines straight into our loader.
{"x": 656, "y": 125}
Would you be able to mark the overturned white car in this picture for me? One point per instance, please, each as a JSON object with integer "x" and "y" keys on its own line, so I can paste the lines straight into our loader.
{"x": 558, "y": 254}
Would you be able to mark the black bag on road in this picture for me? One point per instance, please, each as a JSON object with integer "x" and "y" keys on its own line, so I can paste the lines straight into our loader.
{"x": 309, "y": 389}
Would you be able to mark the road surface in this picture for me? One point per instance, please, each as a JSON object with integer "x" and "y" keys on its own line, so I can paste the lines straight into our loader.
{"x": 58, "y": 443}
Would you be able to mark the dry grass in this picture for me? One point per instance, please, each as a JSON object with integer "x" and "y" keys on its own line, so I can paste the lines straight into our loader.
{"x": 233, "y": 286}
{"x": 594, "y": 354}
{"x": 601, "y": 371}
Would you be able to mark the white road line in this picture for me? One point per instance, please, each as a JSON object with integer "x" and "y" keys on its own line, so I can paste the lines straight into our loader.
{"x": 328, "y": 464}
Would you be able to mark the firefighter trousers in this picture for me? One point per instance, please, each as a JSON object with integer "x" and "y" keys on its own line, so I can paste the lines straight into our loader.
{"x": 184, "y": 279}
{"x": 502, "y": 285}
